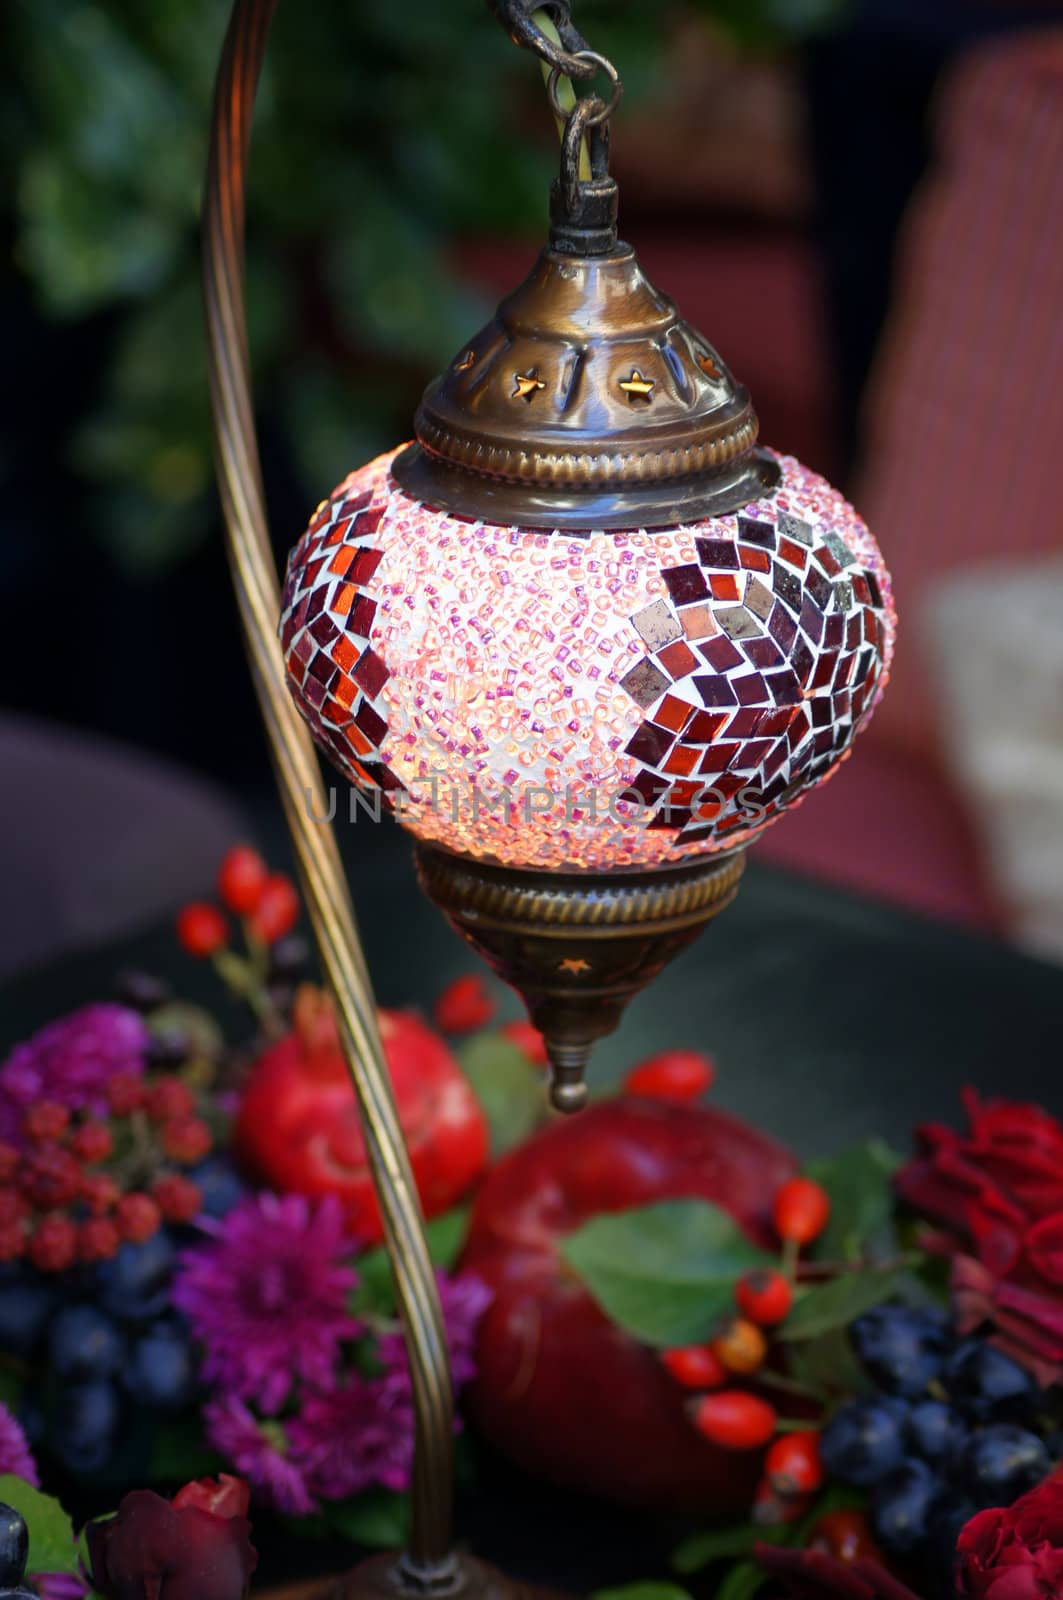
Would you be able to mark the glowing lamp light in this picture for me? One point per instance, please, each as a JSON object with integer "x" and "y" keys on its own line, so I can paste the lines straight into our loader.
{"x": 584, "y": 637}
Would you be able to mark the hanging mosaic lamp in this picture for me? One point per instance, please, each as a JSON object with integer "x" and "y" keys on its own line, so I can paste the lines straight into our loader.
{"x": 585, "y": 636}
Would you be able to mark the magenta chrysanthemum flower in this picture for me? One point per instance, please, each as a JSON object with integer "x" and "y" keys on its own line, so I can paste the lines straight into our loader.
{"x": 260, "y": 1451}
{"x": 72, "y": 1061}
{"x": 464, "y": 1302}
{"x": 356, "y": 1436}
{"x": 362, "y": 1433}
{"x": 267, "y": 1297}
{"x": 59, "y": 1585}
{"x": 15, "y": 1453}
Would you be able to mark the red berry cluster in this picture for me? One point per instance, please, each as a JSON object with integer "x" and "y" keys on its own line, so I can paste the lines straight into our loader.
{"x": 79, "y": 1187}
{"x": 733, "y": 1417}
{"x": 267, "y": 902}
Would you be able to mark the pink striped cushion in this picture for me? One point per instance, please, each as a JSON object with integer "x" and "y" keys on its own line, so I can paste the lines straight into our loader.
{"x": 964, "y": 425}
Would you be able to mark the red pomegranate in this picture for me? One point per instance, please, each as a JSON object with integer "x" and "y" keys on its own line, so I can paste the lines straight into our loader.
{"x": 298, "y": 1130}
{"x": 562, "y": 1390}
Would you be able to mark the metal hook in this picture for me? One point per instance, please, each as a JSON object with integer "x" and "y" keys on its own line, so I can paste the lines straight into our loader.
{"x": 604, "y": 109}
{"x": 566, "y": 58}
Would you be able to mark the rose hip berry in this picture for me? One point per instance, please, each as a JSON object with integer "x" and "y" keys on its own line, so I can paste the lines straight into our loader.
{"x": 50, "y": 1177}
{"x": 734, "y": 1419}
{"x": 98, "y": 1239}
{"x": 14, "y": 1207}
{"x": 92, "y": 1142}
{"x": 186, "y": 1139}
{"x": 741, "y": 1347}
{"x": 793, "y": 1465}
{"x": 46, "y": 1121}
{"x": 695, "y": 1366}
{"x": 845, "y": 1535}
{"x": 464, "y": 1005}
{"x": 527, "y": 1038}
{"x": 201, "y": 929}
{"x": 178, "y": 1198}
{"x": 9, "y": 1162}
{"x": 764, "y": 1296}
{"x": 53, "y": 1244}
{"x": 242, "y": 877}
{"x": 169, "y": 1098}
{"x": 801, "y": 1209}
{"x": 277, "y": 910}
{"x": 100, "y": 1193}
{"x": 678, "y": 1075}
{"x": 137, "y": 1217}
{"x": 125, "y": 1093}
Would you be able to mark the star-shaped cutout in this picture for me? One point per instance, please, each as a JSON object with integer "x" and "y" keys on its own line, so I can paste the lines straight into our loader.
{"x": 637, "y": 387}
{"x": 708, "y": 365}
{"x": 526, "y": 384}
{"x": 575, "y": 964}
{"x": 465, "y": 362}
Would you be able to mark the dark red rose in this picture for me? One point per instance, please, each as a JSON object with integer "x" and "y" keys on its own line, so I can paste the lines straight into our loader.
{"x": 998, "y": 1194}
{"x": 155, "y": 1550}
{"x": 1015, "y": 1553}
{"x": 224, "y": 1496}
{"x": 815, "y": 1575}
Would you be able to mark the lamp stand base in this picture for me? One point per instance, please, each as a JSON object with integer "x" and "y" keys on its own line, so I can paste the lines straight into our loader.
{"x": 577, "y": 946}
{"x": 386, "y": 1578}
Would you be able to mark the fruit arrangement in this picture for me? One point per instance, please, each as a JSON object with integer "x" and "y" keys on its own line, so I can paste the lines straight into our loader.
{"x": 846, "y": 1377}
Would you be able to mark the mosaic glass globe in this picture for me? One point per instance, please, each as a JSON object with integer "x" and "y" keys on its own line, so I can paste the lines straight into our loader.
{"x": 587, "y": 698}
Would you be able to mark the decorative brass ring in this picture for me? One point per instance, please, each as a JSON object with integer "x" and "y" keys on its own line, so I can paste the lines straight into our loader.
{"x": 650, "y": 463}
{"x": 493, "y": 893}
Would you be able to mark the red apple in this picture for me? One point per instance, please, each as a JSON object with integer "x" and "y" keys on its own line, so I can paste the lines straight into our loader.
{"x": 562, "y": 1390}
{"x": 298, "y": 1129}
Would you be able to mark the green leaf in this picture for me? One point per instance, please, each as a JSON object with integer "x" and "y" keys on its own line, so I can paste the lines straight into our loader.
{"x": 836, "y": 1304}
{"x": 860, "y": 1185}
{"x": 510, "y": 1090}
{"x": 180, "y": 1453}
{"x": 742, "y": 1582}
{"x": 53, "y": 1547}
{"x": 651, "y": 1589}
{"x": 717, "y": 1544}
{"x": 665, "y": 1273}
{"x": 446, "y": 1237}
{"x": 11, "y": 1385}
{"x": 378, "y": 1519}
{"x": 375, "y": 1293}
{"x": 829, "y": 1365}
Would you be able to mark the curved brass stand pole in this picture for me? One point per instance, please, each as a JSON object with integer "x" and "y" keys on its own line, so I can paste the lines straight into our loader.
{"x": 429, "y": 1563}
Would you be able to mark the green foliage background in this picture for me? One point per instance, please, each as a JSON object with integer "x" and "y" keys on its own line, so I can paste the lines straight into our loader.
{"x": 384, "y": 128}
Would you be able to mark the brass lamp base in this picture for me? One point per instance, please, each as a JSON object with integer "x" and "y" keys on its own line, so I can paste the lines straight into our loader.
{"x": 576, "y": 947}
{"x": 386, "y": 1578}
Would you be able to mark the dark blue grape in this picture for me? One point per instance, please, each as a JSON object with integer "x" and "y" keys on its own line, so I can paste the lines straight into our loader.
{"x": 162, "y": 1371}
{"x": 14, "y": 1545}
{"x": 864, "y": 1441}
{"x": 84, "y": 1425}
{"x": 901, "y": 1506}
{"x": 1001, "y": 1462}
{"x": 26, "y": 1303}
{"x": 84, "y": 1343}
{"x": 933, "y": 1430}
{"x": 901, "y": 1348}
{"x": 985, "y": 1382}
{"x": 220, "y": 1187}
{"x": 135, "y": 1284}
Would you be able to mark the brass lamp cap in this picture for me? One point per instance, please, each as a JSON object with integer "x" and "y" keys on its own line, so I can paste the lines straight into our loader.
{"x": 586, "y": 402}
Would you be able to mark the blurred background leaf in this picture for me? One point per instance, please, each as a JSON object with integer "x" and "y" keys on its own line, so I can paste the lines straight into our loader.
{"x": 382, "y": 133}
